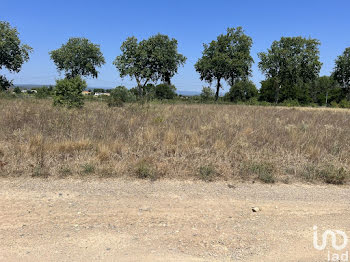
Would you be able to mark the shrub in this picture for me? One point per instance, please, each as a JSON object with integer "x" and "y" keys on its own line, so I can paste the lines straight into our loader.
{"x": 264, "y": 171}
{"x": 332, "y": 175}
{"x": 207, "y": 173}
{"x": 207, "y": 94}
{"x": 328, "y": 174}
{"x": 290, "y": 103}
{"x": 68, "y": 92}
{"x": 43, "y": 92}
{"x": 165, "y": 91}
{"x": 242, "y": 91}
{"x": 334, "y": 104}
{"x": 88, "y": 168}
{"x": 119, "y": 96}
{"x": 144, "y": 170}
{"x": 17, "y": 90}
{"x": 344, "y": 104}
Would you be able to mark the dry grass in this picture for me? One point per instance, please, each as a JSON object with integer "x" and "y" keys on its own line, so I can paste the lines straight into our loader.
{"x": 175, "y": 141}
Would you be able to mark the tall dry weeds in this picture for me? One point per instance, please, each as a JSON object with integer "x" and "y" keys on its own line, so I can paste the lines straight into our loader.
{"x": 176, "y": 141}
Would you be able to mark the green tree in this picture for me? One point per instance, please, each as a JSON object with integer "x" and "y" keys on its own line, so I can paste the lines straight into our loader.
{"x": 242, "y": 91}
{"x": 291, "y": 63}
{"x": 342, "y": 71}
{"x": 267, "y": 90}
{"x": 207, "y": 94}
{"x": 134, "y": 62}
{"x": 163, "y": 56}
{"x": 226, "y": 58}
{"x": 78, "y": 57}
{"x": 13, "y": 54}
{"x": 68, "y": 92}
{"x": 325, "y": 90}
{"x": 149, "y": 60}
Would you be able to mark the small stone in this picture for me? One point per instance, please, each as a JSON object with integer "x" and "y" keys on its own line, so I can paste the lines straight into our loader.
{"x": 256, "y": 209}
{"x": 60, "y": 194}
{"x": 108, "y": 248}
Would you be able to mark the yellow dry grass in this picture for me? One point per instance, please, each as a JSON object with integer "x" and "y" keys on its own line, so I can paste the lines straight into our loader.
{"x": 176, "y": 141}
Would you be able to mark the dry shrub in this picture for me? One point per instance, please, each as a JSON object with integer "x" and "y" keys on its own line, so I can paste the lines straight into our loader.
{"x": 174, "y": 141}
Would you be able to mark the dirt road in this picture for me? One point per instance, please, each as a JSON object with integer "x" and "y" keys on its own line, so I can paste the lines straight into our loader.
{"x": 118, "y": 220}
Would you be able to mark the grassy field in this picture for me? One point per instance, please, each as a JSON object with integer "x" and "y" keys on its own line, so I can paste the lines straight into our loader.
{"x": 207, "y": 142}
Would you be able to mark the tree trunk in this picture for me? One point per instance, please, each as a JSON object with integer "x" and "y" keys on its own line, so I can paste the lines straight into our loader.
{"x": 139, "y": 87}
{"x": 218, "y": 85}
{"x": 167, "y": 80}
{"x": 277, "y": 92}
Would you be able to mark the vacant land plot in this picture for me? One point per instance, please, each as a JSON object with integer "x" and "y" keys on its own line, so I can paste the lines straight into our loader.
{"x": 208, "y": 142}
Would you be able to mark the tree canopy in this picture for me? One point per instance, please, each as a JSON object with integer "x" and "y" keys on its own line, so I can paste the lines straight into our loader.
{"x": 149, "y": 60}
{"x": 78, "y": 57}
{"x": 342, "y": 71}
{"x": 291, "y": 63}
{"x": 13, "y": 54}
{"x": 226, "y": 58}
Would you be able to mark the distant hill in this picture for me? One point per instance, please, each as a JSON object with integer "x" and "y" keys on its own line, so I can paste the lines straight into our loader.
{"x": 188, "y": 93}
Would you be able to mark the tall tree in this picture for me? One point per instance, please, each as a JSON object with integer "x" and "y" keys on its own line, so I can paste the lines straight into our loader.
{"x": 342, "y": 71}
{"x": 163, "y": 56}
{"x": 13, "y": 54}
{"x": 226, "y": 58}
{"x": 78, "y": 57}
{"x": 291, "y": 63}
{"x": 149, "y": 60}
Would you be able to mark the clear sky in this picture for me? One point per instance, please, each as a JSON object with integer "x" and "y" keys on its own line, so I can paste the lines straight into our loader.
{"x": 46, "y": 25}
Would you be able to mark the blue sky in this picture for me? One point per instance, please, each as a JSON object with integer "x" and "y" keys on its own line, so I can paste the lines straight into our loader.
{"x": 46, "y": 25}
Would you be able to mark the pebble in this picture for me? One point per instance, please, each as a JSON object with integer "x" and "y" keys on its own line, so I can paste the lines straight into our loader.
{"x": 256, "y": 209}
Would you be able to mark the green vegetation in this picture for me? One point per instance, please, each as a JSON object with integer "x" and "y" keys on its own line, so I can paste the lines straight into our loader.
{"x": 148, "y": 61}
{"x": 207, "y": 173}
{"x": 226, "y": 58}
{"x": 68, "y": 92}
{"x": 13, "y": 54}
{"x": 291, "y": 67}
{"x": 78, "y": 57}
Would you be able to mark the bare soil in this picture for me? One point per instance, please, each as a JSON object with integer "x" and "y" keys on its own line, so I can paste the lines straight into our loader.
{"x": 166, "y": 220}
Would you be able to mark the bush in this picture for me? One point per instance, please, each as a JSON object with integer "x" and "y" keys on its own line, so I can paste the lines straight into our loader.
{"x": 332, "y": 175}
{"x": 344, "y": 104}
{"x": 17, "y": 90}
{"x": 144, "y": 170}
{"x": 242, "y": 91}
{"x": 290, "y": 103}
{"x": 43, "y": 92}
{"x": 68, "y": 92}
{"x": 88, "y": 168}
{"x": 207, "y": 173}
{"x": 263, "y": 170}
{"x": 165, "y": 91}
{"x": 328, "y": 174}
{"x": 334, "y": 104}
{"x": 119, "y": 96}
{"x": 207, "y": 94}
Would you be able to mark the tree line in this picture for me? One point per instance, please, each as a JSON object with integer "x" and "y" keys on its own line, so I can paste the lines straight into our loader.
{"x": 291, "y": 67}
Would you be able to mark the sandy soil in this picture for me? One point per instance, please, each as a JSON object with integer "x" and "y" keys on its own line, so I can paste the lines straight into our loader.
{"x": 118, "y": 220}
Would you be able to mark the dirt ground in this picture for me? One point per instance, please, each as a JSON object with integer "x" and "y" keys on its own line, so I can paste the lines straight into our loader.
{"x": 120, "y": 220}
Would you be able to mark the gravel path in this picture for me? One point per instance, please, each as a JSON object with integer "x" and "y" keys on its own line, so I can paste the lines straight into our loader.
{"x": 119, "y": 220}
